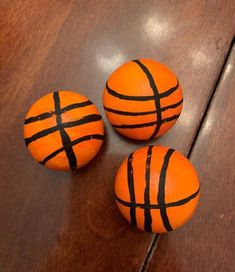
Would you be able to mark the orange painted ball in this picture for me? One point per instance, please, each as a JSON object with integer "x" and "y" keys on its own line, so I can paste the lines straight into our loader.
{"x": 63, "y": 130}
{"x": 156, "y": 189}
{"x": 142, "y": 99}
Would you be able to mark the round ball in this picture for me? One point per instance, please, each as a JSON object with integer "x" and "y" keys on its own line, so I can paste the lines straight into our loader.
{"x": 63, "y": 130}
{"x": 142, "y": 99}
{"x": 156, "y": 189}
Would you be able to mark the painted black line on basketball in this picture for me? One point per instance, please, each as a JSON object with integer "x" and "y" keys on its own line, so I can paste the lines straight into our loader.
{"x": 131, "y": 188}
{"x": 84, "y": 120}
{"x": 172, "y": 106}
{"x": 148, "y": 124}
{"x": 87, "y": 119}
{"x": 170, "y": 91}
{"x": 140, "y": 98}
{"x": 157, "y": 206}
{"x": 128, "y": 97}
{"x": 64, "y": 136}
{"x": 76, "y": 105}
{"x": 74, "y": 142}
{"x": 46, "y": 115}
{"x": 129, "y": 113}
{"x": 161, "y": 190}
{"x": 39, "y": 117}
{"x": 156, "y": 97}
{"x": 41, "y": 134}
{"x": 147, "y": 213}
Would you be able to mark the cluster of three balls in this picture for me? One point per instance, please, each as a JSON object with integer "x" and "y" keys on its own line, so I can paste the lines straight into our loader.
{"x": 156, "y": 187}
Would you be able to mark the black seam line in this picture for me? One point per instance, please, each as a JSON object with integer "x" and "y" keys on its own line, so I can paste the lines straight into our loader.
{"x": 39, "y": 117}
{"x": 140, "y": 98}
{"x": 156, "y": 97}
{"x": 172, "y": 106}
{"x": 144, "y": 112}
{"x": 64, "y": 136}
{"x": 130, "y": 179}
{"x": 128, "y": 97}
{"x": 161, "y": 190}
{"x": 158, "y": 206}
{"x": 147, "y": 212}
{"x": 46, "y": 115}
{"x": 148, "y": 124}
{"x": 84, "y": 120}
{"x": 170, "y": 91}
{"x": 74, "y": 142}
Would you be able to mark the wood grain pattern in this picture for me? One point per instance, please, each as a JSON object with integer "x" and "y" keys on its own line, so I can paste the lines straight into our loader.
{"x": 56, "y": 221}
{"x": 206, "y": 243}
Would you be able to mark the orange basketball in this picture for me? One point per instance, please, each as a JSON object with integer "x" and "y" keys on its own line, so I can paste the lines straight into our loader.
{"x": 157, "y": 189}
{"x": 142, "y": 99}
{"x": 63, "y": 130}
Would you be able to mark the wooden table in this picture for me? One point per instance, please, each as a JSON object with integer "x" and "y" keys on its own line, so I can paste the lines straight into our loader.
{"x": 59, "y": 221}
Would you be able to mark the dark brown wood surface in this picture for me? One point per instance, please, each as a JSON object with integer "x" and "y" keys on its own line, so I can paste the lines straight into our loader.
{"x": 57, "y": 221}
{"x": 207, "y": 242}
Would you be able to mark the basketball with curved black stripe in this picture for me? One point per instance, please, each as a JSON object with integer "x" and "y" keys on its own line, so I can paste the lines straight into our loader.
{"x": 142, "y": 99}
{"x": 156, "y": 189}
{"x": 63, "y": 130}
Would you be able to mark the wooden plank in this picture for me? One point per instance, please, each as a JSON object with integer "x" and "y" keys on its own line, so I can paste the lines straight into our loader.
{"x": 206, "y": 243}
{"x": 55, "y": 221}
